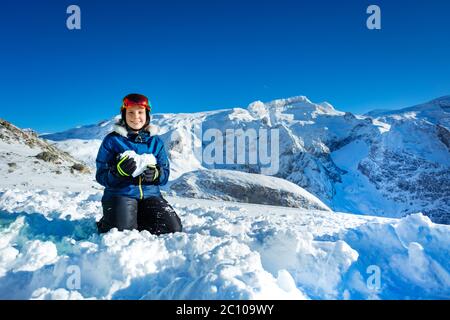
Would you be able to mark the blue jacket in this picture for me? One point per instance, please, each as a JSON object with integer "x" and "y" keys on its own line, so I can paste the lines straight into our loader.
{"x": 119, "y": 141}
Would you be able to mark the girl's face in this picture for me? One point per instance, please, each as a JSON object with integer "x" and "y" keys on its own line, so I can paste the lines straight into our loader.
{"x": 135, "y": 117}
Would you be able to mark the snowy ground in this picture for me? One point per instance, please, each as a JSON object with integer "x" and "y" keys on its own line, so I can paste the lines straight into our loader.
{"x": 49, "y": 249}
{"x": 84, "y": 150}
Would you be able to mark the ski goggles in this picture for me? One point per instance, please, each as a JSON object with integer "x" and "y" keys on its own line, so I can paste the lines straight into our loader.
{"x": 127, "y": 103}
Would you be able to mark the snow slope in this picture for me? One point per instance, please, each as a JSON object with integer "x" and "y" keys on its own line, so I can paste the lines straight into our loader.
{"x": 83, "y": 150}
{"x": 30, "y": 162}
{"x": 227, "y": 251}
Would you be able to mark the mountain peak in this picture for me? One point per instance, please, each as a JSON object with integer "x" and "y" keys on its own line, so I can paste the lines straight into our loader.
{"x": 443, "y": 102}
{"x": 431, "y": 110}
{"x": 296, "y": 102}
{"x": 289, "y": 101}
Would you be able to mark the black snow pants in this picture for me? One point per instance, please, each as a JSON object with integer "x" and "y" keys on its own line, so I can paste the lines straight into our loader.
{"x": 124, "y": 213}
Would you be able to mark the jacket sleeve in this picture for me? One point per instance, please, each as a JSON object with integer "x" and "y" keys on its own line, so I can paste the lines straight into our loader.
{"x": 105, "y": 162}
{"x": 162, "y": 162}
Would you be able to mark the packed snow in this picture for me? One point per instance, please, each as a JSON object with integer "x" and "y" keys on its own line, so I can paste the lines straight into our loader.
{"x": 142, "y": 161}
{"x": 49, "y": 249}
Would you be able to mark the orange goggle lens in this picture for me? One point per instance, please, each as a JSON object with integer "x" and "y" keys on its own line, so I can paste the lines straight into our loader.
{"x": 127, "y": 104}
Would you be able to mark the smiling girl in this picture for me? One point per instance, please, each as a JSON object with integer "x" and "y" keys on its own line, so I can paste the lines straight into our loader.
{"x": 134, "y": 202}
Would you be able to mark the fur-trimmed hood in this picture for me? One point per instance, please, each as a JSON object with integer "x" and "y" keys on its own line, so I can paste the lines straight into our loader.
{"x": 121, "y": 129}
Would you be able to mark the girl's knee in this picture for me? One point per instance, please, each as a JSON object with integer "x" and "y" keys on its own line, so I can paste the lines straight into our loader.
{"x": 118, "y": 212}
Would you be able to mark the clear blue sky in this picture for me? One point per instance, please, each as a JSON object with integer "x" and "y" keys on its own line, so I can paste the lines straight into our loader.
{"x": 201, "y": 55}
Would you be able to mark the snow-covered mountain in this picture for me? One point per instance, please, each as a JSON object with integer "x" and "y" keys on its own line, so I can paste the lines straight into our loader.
{"x": 389, "y": 163}
{"x": 436, "y": 111}
{"x": 30, "y": 162}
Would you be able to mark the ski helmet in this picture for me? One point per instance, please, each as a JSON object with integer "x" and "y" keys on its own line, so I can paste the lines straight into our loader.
{"x": 136, "y": 99}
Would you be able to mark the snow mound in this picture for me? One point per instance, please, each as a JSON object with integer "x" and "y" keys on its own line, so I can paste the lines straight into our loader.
{"x": 244, "y": 187}
{"x": 411, "y": 254}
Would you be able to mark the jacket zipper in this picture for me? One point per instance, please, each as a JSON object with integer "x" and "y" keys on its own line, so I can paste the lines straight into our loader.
{"x": 140, "y": 188}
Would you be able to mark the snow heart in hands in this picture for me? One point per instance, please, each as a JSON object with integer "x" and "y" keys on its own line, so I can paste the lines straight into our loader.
{"x": 142, "y": 161}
